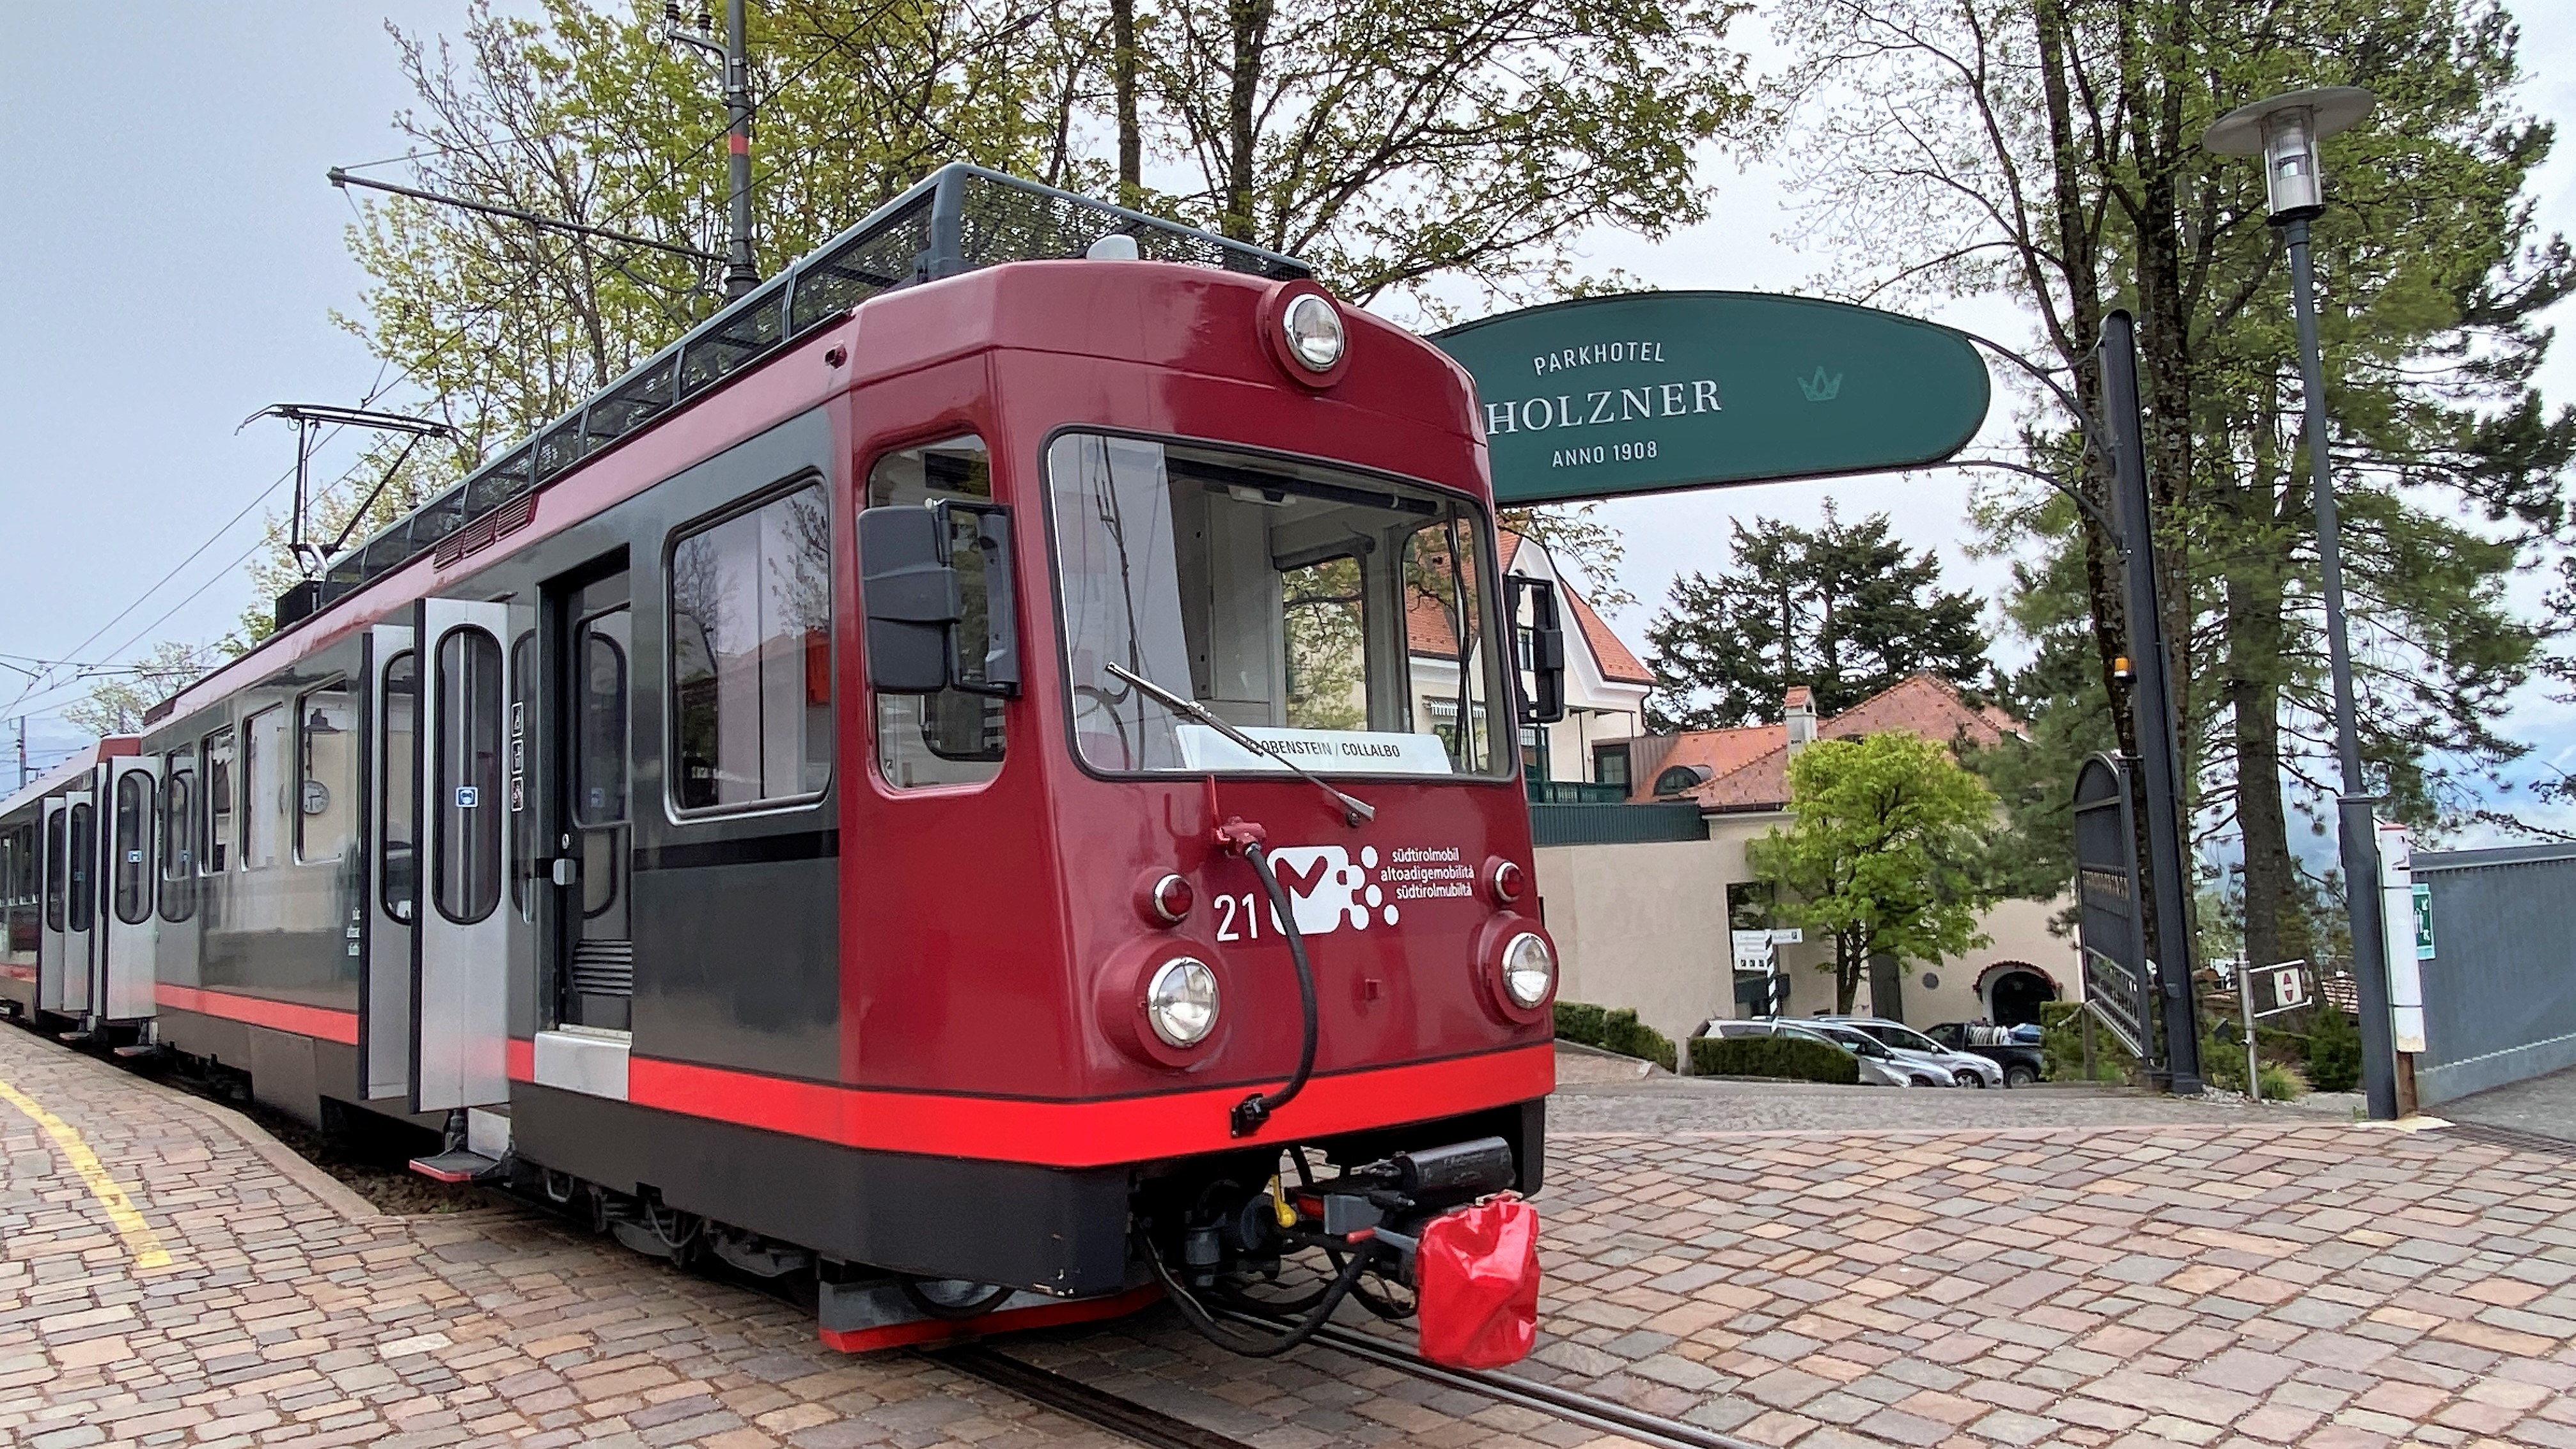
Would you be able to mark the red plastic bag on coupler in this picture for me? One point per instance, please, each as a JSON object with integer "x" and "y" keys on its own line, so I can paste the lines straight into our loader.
{"x": 1476, "y": 1276}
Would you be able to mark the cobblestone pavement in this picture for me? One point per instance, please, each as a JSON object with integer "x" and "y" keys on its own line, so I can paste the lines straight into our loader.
{"x": 2228, "y": 1281}
{"x": 291, "y": 1314}
{"x": 2544, "y": 1106}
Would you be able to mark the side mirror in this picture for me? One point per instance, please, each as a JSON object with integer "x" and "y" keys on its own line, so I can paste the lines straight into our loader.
{"x": 1538, "y": 676}
{"x": 936, "y": 621}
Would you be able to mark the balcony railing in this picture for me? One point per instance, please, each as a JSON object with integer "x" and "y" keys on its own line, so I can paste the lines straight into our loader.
{"x": 1575, "y": 792}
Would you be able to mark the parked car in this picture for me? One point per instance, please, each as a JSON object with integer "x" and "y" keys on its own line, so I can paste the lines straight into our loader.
{"x": 2003, "y": 1045}
{"x": 1910, "y": 1045}
{"x": 1920, "y": 1069}
{"x": 1878, "y": 1065}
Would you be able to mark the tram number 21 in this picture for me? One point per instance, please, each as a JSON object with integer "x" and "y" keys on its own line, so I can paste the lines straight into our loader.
{"x": 1244, "y": 911}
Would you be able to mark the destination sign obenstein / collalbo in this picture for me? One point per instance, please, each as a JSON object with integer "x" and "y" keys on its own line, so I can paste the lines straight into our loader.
{"x": 1650, "y": 391}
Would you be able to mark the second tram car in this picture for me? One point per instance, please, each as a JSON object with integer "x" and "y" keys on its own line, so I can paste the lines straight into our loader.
{"x": 986, "y": 774}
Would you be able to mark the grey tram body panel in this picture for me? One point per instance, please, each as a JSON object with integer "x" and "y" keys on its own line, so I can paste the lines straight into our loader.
{"x": 390, "y": 842}
{"x": 460, "y": 932}
{"x": 129, "y": 877}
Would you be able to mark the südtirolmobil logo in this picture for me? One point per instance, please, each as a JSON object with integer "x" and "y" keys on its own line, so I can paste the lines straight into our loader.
{"x": 1328, "y": 889}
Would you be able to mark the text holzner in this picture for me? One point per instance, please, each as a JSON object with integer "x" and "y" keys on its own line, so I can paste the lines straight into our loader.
{"x": 1608, "y": 405}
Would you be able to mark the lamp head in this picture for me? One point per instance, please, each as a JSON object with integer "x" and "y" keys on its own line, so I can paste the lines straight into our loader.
{"x": 2286, "y": 131}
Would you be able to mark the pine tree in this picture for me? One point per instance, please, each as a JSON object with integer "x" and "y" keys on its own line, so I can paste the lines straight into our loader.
{"x": 1841, "y": 608}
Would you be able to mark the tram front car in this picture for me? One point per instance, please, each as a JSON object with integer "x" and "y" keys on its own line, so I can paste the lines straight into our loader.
{"x": 1196, "y": 688}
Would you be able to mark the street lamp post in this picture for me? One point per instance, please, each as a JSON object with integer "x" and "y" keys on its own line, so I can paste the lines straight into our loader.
{"x": 2285, "y": 131}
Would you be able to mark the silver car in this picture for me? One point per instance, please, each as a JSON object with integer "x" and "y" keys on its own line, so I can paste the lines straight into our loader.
{"x": 1910, "y": 1045}
{"x": 1878, "y": 1065}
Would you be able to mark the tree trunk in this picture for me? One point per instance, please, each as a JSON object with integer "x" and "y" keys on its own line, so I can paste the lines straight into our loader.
{"x": 1122, "y": 74}
{"x": 1849, "y": 963}
{"x": 2274, "y": 924}
{"x": 1251, "y": 27}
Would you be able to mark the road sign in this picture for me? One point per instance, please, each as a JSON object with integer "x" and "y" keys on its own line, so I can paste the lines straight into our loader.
{"x": 2110, "y": 920}
{"x": 2282, "y": 986}
{"x": 1650, "y": 391}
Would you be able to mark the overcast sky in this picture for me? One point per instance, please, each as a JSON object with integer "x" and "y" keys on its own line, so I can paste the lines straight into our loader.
{"x": 178, "y": 256}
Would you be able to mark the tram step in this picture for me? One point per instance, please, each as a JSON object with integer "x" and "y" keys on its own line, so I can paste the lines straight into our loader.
{"x": 139, "y": 1049}
{"x": 457, "y": 1166}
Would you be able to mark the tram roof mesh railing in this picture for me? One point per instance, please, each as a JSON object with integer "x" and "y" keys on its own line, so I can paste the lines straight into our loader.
{"x": 958, "y": 219}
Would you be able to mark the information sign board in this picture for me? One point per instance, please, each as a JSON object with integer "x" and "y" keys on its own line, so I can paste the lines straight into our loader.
{"x": 1645, "y": 392}
{"x": 2109, "y": 920}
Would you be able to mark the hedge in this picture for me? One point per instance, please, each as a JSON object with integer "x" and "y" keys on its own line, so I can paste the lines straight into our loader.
{"x": 1797, "y": 1058}
{"x": 1580, "y": 1022}
{"x": 1614, "y": 1029}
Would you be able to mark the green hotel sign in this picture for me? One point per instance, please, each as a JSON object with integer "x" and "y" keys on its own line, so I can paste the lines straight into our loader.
{"x": 1650, "y": 391}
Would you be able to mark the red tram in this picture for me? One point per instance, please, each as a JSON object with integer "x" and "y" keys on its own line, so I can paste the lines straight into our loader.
{"x": 934, "y": 780}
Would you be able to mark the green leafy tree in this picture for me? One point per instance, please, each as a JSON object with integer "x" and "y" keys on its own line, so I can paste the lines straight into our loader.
{"x": 2048, "y": 150}
{"x": 1472, "y": 141}
{"x": 116, "y": 704}
{"x": 1884, "y": 853}
{"x": 1842, "y": 608}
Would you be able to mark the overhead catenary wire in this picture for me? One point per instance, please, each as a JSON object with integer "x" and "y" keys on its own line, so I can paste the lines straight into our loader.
{"x": 40, "y": 687}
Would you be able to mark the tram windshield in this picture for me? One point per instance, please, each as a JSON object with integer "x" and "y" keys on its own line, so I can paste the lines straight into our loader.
{"x": 1340, "y": 618}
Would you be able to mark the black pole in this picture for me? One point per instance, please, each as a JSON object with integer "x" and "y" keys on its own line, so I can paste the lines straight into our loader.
{"x": 2359, "y": 832}
{"x": 2151, "y": 704}
{"x": 741, "y": 273}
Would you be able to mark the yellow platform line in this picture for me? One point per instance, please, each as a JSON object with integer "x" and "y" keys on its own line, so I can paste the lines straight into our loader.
{"x": 140, "y": 1240}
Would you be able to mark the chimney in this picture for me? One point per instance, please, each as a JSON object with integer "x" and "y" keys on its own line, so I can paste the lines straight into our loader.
{"x": 1799, "y": 711}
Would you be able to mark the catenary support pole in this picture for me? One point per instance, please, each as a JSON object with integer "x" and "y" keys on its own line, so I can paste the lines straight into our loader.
{"x": 741, "y": 272}
{"x": 2151, "y": 704}
{"x": 2359, "y": 833}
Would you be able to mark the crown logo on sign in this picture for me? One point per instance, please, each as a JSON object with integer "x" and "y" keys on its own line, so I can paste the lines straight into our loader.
{"x": 1821, "y": 388}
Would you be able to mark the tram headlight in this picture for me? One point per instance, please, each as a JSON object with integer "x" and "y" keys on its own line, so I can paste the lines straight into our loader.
{"x": 1312, "y": 326}
{"x": 1529, "y": 969}
{"x": 1181, "y": 1001}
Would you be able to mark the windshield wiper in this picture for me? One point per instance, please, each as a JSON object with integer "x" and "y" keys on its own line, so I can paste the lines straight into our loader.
{"x": 1354, "y": 811}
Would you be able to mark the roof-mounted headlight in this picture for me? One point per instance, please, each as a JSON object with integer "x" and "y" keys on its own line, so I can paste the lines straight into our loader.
{"x": 1313, "y": 328}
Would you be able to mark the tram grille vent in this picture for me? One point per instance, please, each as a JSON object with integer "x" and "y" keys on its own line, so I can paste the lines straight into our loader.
{"x": 604, "y": 968}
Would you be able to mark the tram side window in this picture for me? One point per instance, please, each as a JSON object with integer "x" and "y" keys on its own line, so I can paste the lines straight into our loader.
{"x": 80, "y": 895}
{"x": 130, "y": 867}
{"x": 952, "y": 737}
{"x": 179, "y": 836}
{"x": 215, "y": 852}
{"x": 465, "y": 872}
{"x": 56, "y": 876}
{"x": 397, "y": 788}
{"x": 326, "y": 802}
{"x": 265, "y": 781}
{"x": 751, "y": 655}
{"x": 25, "y": 895}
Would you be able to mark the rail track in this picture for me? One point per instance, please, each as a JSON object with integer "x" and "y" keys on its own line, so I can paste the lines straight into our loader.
{"x": 1157, "y": 1430}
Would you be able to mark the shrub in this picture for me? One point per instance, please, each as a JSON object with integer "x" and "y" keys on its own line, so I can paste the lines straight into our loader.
{"x": 1797, "y": 1058}
{"x": 2334, "y": 1052}
{"x": 2061, "y": 1046}
{"x": 1621, "y": 1032}
{"x": 1580, "y": 1022}
{"x": 2281, "y": 1084}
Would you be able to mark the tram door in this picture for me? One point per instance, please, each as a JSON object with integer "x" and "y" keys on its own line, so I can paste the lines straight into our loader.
{"x": 384, "y": 967}
{"x": 460, "y": 926}
{"x": 71, "y": 902}
{"x": 122, "y": 990}
{"x": 595, "y": 954}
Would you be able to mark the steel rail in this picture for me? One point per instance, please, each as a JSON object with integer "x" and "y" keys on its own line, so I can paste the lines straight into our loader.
{"x": 1077, "y": 1400}
{"x": 1566, "y": 1404}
